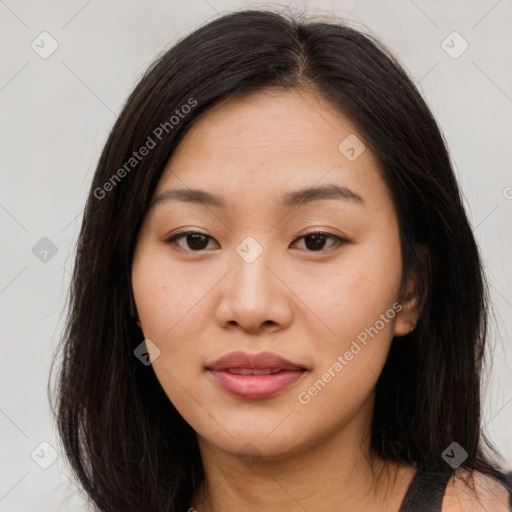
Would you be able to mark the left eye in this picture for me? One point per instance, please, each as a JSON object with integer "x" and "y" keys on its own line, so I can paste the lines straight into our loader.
{"x": 197, "y": 242}
{"x": 317, "y": 240}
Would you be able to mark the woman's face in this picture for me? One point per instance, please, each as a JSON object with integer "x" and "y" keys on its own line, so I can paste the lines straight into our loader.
{"x": 254, "y": 279}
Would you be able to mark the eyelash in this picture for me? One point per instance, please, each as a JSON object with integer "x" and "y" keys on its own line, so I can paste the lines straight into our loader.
{"x": 339, "y": 240}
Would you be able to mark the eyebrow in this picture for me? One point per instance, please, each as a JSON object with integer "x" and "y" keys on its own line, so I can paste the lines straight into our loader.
{"x": 289, "y": 200}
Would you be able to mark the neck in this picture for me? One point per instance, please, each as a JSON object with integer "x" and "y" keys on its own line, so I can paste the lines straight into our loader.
{"x": 339, "y": 475}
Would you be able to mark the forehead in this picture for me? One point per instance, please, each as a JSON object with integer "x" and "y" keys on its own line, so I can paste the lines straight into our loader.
{"x": 271, "y": 122}
{"x": 272, "y": 141}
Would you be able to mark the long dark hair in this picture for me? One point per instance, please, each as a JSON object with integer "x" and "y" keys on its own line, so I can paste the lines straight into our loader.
{"x": 127, "y": 445}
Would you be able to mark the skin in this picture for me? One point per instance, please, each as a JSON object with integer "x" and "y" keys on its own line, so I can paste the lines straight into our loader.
{"x": 305, "y": 305}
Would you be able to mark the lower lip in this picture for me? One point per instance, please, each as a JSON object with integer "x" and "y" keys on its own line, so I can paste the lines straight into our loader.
{"x": 256, "y": 386}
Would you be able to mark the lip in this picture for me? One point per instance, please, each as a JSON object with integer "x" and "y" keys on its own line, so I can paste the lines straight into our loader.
{"x": 262, "y": 361}
{"x": 255, "y": 386}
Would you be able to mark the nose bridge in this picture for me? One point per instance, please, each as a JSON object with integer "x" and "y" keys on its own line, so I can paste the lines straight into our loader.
{"x": 251, "y": 261}
{"x": 253, "y": 295}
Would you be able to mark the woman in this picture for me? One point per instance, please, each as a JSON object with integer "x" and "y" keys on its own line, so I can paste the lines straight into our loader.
{"x": 277, "y": 302}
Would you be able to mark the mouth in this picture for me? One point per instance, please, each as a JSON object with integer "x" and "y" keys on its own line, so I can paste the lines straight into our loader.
{"x": 255, "y": 376}
{"x": 254, "y": 371}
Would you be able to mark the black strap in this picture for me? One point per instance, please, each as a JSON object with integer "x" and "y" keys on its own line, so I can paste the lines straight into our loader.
{"x": 427, "y": 489}
{"x": 426, "y": 492}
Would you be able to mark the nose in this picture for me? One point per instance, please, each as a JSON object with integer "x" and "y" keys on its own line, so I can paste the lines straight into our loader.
{"x": 254, "y": 293}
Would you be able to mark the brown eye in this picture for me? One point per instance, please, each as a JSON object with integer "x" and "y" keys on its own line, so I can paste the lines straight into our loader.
{"x": 197, "y": 242}
{"x": 194, "y": 240}
{"x": 315, "y": 242}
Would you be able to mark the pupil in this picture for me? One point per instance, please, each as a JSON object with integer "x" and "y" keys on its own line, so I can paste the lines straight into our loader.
{"x": 196, "y": 238}
{"x": 318, "y": 241}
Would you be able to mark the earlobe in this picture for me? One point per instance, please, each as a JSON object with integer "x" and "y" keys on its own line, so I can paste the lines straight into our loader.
{"x": 139, "y": 323}
{"x": 407, "y": 318}
{"x": 403, "y": 327}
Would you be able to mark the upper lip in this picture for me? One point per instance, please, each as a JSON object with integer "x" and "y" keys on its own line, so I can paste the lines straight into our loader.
{"x": 262, "y": 360}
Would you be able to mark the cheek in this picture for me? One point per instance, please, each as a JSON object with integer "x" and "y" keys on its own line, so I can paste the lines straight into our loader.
{"x": 356, "y": 303}
{"x": 166, "y": 298}
{"x": 350, "y": 295}
{"x": 169, "y": 307}
{"x": 172, "y": 303}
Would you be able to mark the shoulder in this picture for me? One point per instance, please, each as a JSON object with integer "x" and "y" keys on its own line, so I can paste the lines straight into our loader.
{"x": 480, "y": 493}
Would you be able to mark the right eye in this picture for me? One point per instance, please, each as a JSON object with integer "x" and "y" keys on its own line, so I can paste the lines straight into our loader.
{"x": 196, "y": 241}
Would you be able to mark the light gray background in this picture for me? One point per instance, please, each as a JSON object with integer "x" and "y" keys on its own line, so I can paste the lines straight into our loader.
{"x": 55, "y": 116}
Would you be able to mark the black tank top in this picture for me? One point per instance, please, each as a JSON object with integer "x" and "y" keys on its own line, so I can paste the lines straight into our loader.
{"x": 427, "y": 489}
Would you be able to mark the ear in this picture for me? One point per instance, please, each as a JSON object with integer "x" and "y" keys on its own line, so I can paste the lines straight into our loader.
{"x": 413, "y": 293}
{"x": 139, "y": 323}
{"x": 407, "y": 317}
